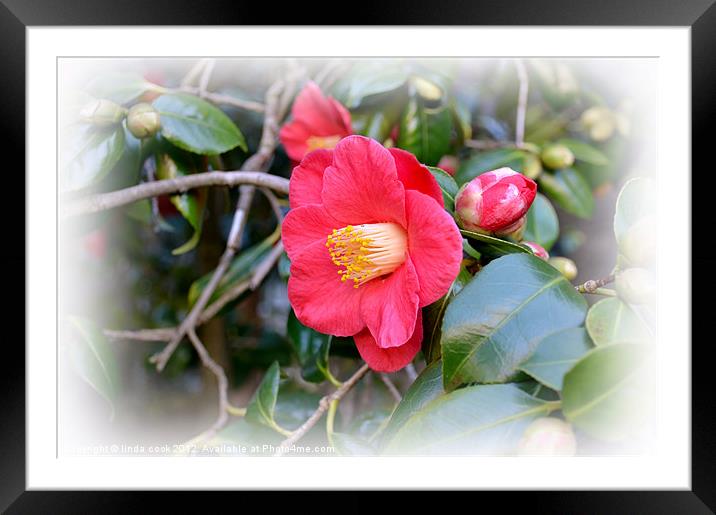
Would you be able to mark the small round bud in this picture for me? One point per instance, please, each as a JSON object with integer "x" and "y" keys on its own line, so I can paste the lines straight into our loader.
{"x": 548, "y": 436}
{"x": 103, "y": 113}
{"x": 635, "y": 286}
{"x": 143, "y": 121}
{"x": 532, "y": 167}
{"x": 565, "y": 265}
{"x": 599, "y": 122}
{"x": 427, "y": 90}
{"x": 557, "y": 156}
{"x": 538, "y": 250}
{"x": 638, "y": 243}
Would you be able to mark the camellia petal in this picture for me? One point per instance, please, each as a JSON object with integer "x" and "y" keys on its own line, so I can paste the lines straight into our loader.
{"x": 392, "y": 358}
{"x": 307, "y": 178}
{"x": 434, "y": 245}
{"x": 319, "y": 298}
{"x": 362, "y": 185}
{"x": 416, "y": 176}
{"x": 304, "y": 226}
{"x": 390, "y": 306}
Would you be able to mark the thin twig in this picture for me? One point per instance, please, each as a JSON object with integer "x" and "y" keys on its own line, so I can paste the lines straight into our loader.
{"x": 411, "y": 372}
{"x": 103, "y": 201}
{"x": 205, "y": 77}
{"x": 593, "y": 285}
{"x": 521, "y": 102}
{"x": 223, "y": 99}
{"x": 222, "y": 384}
{"x": 391, "y": 387}
{"x": 193, "y": 73}
{"x": 323, "y": 405}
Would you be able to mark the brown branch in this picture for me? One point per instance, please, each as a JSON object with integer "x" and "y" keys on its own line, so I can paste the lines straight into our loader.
{"x": 103, "y": 201}
{"x": 593, "y": 285}
{"x": 391, "y": 387}
{"x": 322, "y": 407}
{"x": 222, "y": 99}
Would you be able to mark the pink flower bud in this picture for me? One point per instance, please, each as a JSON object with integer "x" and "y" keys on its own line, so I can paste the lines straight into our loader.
{"x": 538, "y": 250}
{"x": 448, "y": 164}
{"x": 494, "y": 200}
{"x": 548, "y": 437}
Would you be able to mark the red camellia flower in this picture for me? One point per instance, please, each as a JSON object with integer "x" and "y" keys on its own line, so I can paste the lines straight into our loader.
{"x": 494, "y": 201}
{"x": 318, "y": 122}
{"x": 370, "y": 244}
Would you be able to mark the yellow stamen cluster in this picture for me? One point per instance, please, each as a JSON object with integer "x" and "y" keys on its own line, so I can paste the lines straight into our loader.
{"x": 366, "y": 251}
{"x": 315, "y": 142}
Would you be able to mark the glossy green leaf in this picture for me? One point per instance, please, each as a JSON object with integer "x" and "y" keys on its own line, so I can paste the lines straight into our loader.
{"x": 433, "y": 317}
{"x": 93, "y": 360}
{"x": 448, "y": 186}
{"x": 635, "y": 201}
{"x": 90, "y": 153}
{"x": 555, "y": 355}
{"x": 463, "y": 120}
{"x": 425, "y": 132}
{"x": 495, "y": 323}
{"x": 368, "y": 81}
{"x": 486, "y": 161}
{"x": 426, "y": 387}
{"x": 311, "y": 347}
{"x": 482, "y": 419}
{"x": 261, "y": 408}
{"x": 191, "y": 204}
{"x": 492, "y": 246}
{"x": 585, "y": 152}
{"x": 614, "y": 321}
{"x": 197, "y": 126}
{"x": 121, "y": 88}
{"x": 568, "y": 189}
{"x": 542, "y": 225}
{"x": 239, "y": 271}
{"x": 604, "y": 393}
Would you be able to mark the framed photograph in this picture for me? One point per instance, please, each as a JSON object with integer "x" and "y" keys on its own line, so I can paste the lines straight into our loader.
{"x": 441, "y": 256}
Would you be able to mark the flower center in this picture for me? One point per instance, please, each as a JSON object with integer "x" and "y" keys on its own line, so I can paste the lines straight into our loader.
{"x": 315, "y": 142}
{"x": 364, "y": 252}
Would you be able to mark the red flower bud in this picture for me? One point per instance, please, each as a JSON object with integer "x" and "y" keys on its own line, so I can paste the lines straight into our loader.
{"x": 538, "y": 250}
{"x": 448, "y": 164}
{"x": 494, "y": 200}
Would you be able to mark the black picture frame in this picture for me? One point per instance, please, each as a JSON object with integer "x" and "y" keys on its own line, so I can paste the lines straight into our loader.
{"x": 17, "y": 15}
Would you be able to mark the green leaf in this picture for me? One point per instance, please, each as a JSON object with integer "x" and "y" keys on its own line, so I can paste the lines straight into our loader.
{"x": 482, "y": 419}
{"x": 486, "y": 161}
{"x": 568, "y": 189}
{"x": 197, "y": 126}
{"x": 492, "y": 246}
{"x": 120, "y": 88}
{"x": 555, "y": 355}
{"x": 369, "y": 81}
{"x": 312, "y": 349}
{"x": 635, "y": 201}
{"x": 190, "y": 205}
{"x": 495, "y": 323}
{"x": 603, "y": 394}
{"x": 613, "y": 321}
{"x": 433, "y": 317}
{"x": 585, "y": 152}
{"x": 240, "y": 270}
{"x": 425, "y": 132}
{"x": 462, "y": 118}
{"x": 91, "y": 152}
{"x": 448, "y": 187}
{"x": 261, "y": 408}
{"x": 542, "y": 225}
{"x": 426, "y": 387}
{"x": 93, "y": 360}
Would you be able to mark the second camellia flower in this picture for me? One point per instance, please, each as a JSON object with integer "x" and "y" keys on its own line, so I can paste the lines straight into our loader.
{"x": 370, "y": 244}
